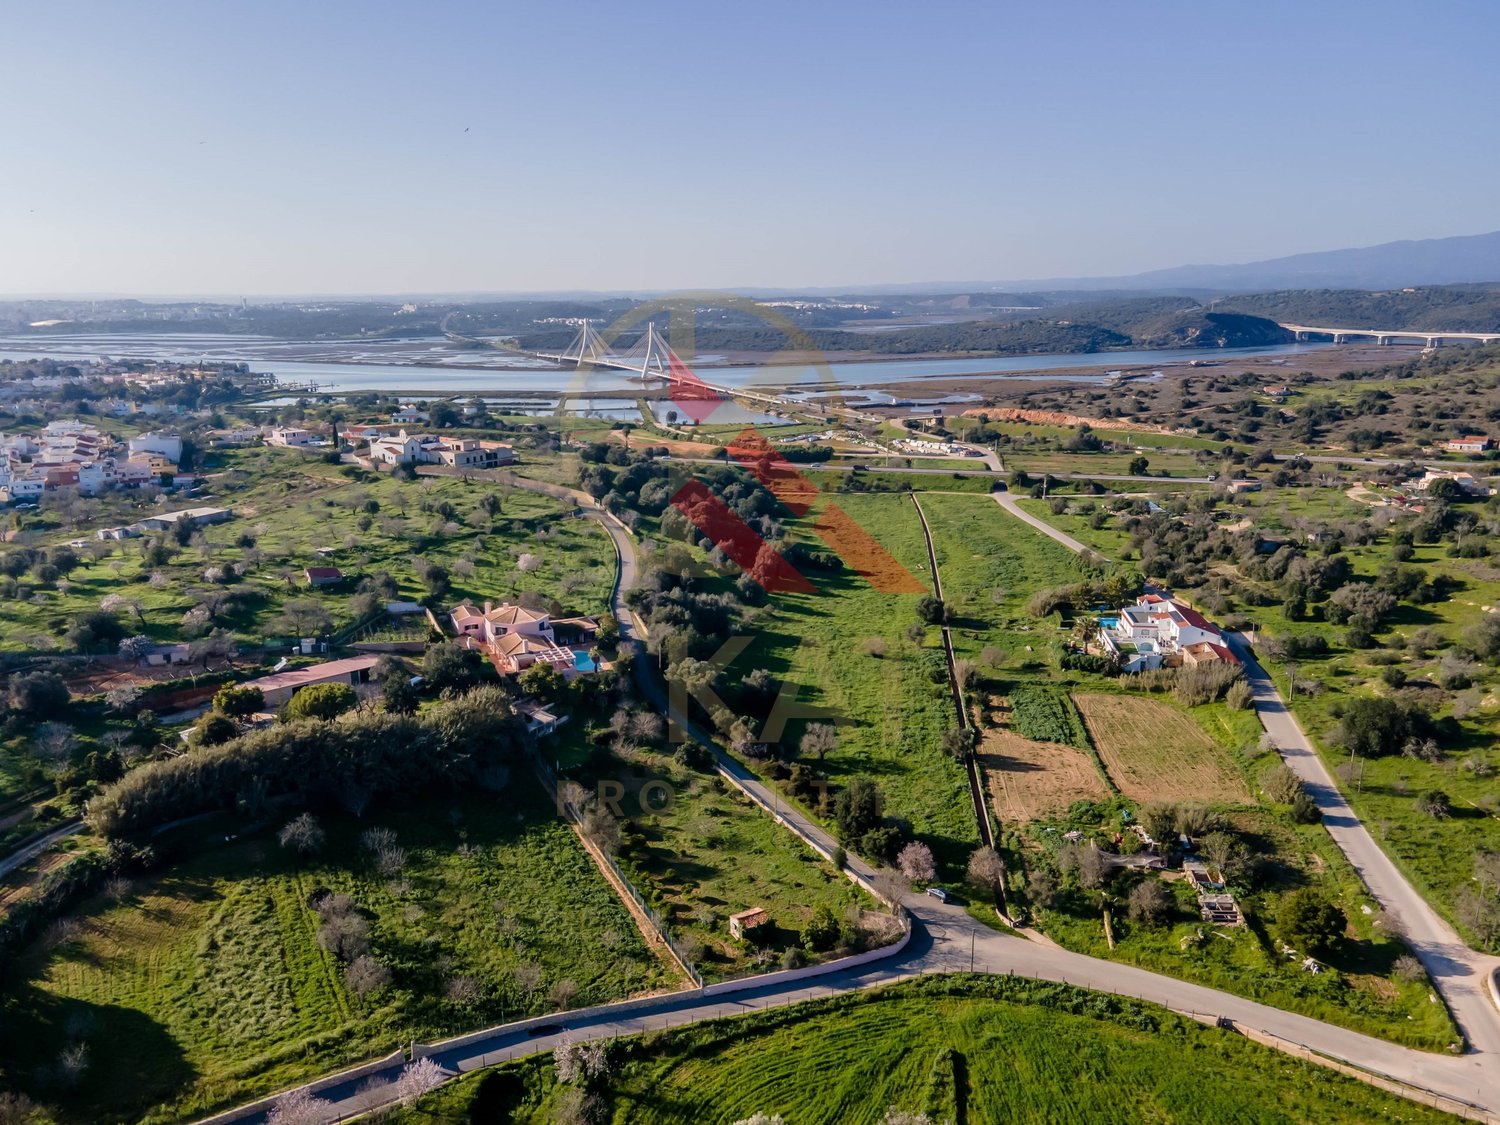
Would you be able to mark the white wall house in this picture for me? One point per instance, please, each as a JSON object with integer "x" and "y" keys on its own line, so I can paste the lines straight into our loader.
{"x": 167, "y": 445}
{"x": 291, "y": 438}
{"x": 408, "y": 415}
{"x": 1157, "y": 630}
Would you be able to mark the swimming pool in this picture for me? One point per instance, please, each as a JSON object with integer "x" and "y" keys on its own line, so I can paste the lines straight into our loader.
{"x": 584, "y": 662}
{"x": 1108, "y": 622}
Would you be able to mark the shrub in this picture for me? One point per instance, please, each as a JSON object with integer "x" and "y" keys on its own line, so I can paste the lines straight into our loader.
{"x": 455, "y": 743}
{"x": 38, "y": 694}
{"x": 214, "y": 730}
{"x": 321, "y": 701}
{"x": 1281, "y": 785}
{"x": 1149, "y": 902}
{"x": 1305, "y": 809}
{"x": 1310, "y": 922}
{"x": 1436, "y": 804}
{"x": 1197, "y": 684}
{"x": 239, "y": 701}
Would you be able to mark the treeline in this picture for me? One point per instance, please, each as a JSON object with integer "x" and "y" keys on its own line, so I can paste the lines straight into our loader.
{"x": 1436, "y": 308}
{"x": 1034, "y": 335}
{"x": 468, "y": 740}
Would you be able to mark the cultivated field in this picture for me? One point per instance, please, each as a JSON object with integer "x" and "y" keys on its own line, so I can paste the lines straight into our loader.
{"x": 1036, "y": 780}
{"x": 1156, "y": 753}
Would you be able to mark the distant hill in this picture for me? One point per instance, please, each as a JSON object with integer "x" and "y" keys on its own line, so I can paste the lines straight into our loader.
{"x": 1135, "y": 322}
{"x": 1435, "y": 308}
{"x": 1392, "y": 265}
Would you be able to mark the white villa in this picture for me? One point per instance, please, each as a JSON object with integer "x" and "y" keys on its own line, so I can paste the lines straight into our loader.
{"x": 1467, "y": 482}
{"x": 291, "y": 437}
{"x": 1157, "y": 631}
{"x": 429, "y": 449}
{"x": 408, "y": 414}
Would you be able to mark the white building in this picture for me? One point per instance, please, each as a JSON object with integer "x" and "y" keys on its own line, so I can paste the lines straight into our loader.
{"x": 291, "y": 438}
{"x": 1157, "y": 631}
{"x": 408, "y": 415}
{"x": 429, "y": 449}
{"x": 165, "y": 445}
{"x": 1465, "y": 481}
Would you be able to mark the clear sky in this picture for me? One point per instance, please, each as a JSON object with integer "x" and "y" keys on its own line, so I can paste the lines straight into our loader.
{"x": 423, "y": 147}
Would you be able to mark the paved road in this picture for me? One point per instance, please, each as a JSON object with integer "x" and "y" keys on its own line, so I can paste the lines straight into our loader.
{"x": 1007, "y": 501}
{"x": 873, "y": 467}
{"x": 1458, "y": 971}
{"x": 945, "y": 939}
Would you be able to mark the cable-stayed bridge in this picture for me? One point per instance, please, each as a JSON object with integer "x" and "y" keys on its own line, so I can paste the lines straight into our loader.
{"x": 651, "y": 357}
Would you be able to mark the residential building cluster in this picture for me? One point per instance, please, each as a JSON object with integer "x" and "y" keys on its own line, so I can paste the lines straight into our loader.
{"x": 74, "y": 454}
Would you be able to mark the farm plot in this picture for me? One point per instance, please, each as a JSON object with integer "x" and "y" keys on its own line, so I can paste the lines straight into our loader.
{"x": 1036, "y": 780}
{"x": 1156, "y": 753}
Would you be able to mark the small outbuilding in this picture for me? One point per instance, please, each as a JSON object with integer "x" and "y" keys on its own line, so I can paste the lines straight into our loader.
{"x": 278, "y": 687}
{"x": 323, "y": 575}
{"x": 746, "y": 921}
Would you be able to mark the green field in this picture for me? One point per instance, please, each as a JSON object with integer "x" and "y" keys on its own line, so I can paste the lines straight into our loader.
{"x": 293, "y": 512}
{"x": 699, "y": 851}
{"x": 206, "y": 984}
{"x": 891, "y": 713}
{"x": 991, "y": 565}
{"x": 965, "y": 1050}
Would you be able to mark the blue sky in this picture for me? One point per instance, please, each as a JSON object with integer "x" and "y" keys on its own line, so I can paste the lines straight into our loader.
{"x": 191, "y": 148}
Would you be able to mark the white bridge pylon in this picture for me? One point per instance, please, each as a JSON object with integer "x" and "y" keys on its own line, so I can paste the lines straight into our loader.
{"x": 649, "y": 357}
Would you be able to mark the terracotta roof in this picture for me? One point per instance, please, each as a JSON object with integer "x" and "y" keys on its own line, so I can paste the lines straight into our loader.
{"x": 513, "y": 615}
{"x": 323, "y": 572}
{"x": 1193, "y": 617}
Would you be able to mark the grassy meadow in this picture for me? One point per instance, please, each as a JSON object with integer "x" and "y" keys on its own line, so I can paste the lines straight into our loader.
{"x": 699, "y": 851}
{"x": 293, "y": 511}
{"x": 964, "y": 1050}
{"x": 206, "y": 984}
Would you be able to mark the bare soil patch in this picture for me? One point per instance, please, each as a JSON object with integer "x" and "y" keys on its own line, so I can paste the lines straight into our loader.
{"x": 1036, "y": 780}
{"x": 1156, "y": 753}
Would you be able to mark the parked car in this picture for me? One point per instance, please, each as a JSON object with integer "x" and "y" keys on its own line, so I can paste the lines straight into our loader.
{"x": 939, "y": 894}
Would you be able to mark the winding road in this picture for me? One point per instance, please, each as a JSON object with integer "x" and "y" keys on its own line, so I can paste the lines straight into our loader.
{"x": 1460, "y": 973}
{"x": 946, "y": 939}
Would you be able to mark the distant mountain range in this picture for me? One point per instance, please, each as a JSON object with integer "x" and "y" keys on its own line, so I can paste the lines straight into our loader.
{"x": 1391, "y": 265}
